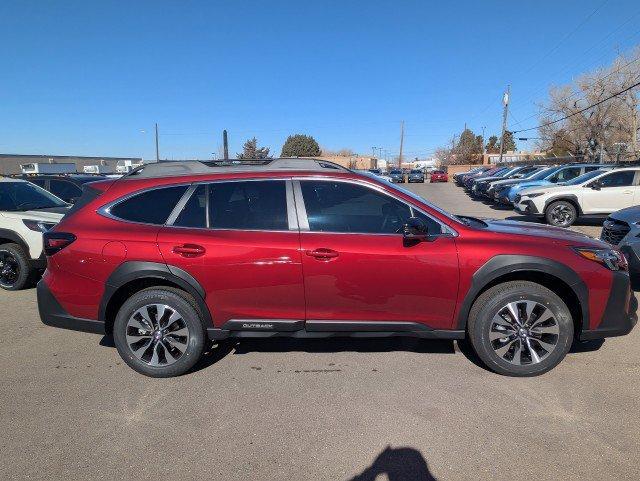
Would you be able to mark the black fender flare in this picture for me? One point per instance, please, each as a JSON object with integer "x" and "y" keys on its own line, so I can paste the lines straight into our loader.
{"x": 503, "y": 264}
{"x": 568, "y": 197}
{"x": 13, "y": 236}
{"x": 133, "y": 270}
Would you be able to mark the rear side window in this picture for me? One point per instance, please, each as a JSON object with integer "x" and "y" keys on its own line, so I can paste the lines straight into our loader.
{"x": 194, "y": 213}
{"x": 149, "y": 207}
{"x": 250, "y": 205}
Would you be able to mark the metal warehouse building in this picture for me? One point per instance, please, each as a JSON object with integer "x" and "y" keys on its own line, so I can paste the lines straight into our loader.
{"x": 10, "y": 163}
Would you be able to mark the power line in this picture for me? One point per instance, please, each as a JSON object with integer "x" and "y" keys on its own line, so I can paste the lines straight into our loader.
{"x": 579, "y": 111}
{"x": 566, "y": 37}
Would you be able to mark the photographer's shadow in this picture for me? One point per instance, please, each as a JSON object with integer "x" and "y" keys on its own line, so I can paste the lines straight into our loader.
{"x": 399, "y": 464}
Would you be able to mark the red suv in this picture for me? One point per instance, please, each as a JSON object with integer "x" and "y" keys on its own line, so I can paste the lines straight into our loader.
{"x": 175, "y": 255}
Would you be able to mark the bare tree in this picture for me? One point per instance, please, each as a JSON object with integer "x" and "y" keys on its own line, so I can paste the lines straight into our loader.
{"x": 608, "y": 130}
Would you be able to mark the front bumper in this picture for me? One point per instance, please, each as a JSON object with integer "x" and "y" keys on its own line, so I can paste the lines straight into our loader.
{"x": 526, "y": 207}
{"x": 53, "y": 314}
{"x": 620, "y": 315}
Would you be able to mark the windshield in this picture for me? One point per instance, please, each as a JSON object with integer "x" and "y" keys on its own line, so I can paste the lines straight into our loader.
{"x": 415, "y": 171}
{"x": 584, "y": 177}
{"x": 396, "y": 171}
{"x": 543, "y": 174}
{"x": 21, "y": 196}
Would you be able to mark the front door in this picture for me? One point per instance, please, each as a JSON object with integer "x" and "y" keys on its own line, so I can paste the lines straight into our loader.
{"x": 235, "y": 238}
{"x": 616, "y": 190}
{"x": 356, "y": 266}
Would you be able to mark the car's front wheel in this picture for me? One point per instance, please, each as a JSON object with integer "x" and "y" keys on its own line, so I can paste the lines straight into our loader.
{"x": 561, "y": 213}
{"x": 159, "y": 332}
{"x": 14, "y": 267}
{"x": 520, "y": 328}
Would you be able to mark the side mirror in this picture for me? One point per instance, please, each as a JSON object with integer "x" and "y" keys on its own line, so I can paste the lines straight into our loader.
{"x": 595, "y": 185}
{"x": 415, "y": 230}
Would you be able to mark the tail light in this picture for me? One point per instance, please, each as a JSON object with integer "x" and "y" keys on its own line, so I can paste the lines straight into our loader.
{"x": 56, "y": 241}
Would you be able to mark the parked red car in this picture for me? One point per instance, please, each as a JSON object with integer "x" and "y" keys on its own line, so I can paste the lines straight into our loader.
{"x": 439, "y": 176}
{"x": 175, "y": 255}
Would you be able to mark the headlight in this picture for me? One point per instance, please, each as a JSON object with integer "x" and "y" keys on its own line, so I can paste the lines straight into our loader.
{"x": 609, "y": 258}
{"x": 37, "y": 225}
{"x": 533, "y": 194}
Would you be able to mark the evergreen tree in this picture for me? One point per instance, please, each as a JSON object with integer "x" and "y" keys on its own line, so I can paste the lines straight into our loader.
{"x": 251, "y": 151}
{"x": 300, "y": 146}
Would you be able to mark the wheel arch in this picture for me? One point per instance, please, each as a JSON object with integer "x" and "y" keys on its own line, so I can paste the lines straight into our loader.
{"x": 551, "y": 274}
{"x": 571, "y": 198}
{"x": 133, "y": 276}
{"x": 10, "y": 236}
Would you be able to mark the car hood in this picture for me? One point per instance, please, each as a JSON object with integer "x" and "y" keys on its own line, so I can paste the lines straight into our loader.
{"x": 545, "y": 188}
{"x": 501, "y": 183}
{"x": 628, "y": 215}
{"x": 541, "y": 230}
{"x": 38, "y": 215}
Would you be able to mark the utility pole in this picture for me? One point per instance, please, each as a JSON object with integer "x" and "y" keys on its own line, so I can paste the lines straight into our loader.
{"x": 225, "y": 143}
{"x": 373, "y": 152}
{"x": 157, "y": 149}
{"x": 401, "y": 144}
{"x": 505, "y": 101}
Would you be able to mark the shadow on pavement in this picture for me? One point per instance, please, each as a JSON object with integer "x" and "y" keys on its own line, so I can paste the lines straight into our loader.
{"x": 399, "y": 464}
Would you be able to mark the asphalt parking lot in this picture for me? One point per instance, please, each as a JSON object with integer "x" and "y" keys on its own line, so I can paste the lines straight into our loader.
{"x": 312, "y": 410}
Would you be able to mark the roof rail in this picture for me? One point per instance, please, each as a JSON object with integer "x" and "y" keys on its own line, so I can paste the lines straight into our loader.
{"x": 194, "y": 167}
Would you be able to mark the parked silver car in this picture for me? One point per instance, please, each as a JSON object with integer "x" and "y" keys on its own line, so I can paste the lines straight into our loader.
{"x": 622, "y": 229}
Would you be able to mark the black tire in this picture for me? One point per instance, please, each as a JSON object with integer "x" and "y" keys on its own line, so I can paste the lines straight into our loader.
{"x": 14, "y": 267}
{"x": 195, "y": 343}
{"x": 482, "y": 325}
{"x": 561, "y": 213}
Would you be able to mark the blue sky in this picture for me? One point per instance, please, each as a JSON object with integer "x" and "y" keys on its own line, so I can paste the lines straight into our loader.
{"x": 91, "y": 78}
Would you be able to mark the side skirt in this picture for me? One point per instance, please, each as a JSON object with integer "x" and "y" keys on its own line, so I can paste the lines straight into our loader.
{"x": 312, "y": 329}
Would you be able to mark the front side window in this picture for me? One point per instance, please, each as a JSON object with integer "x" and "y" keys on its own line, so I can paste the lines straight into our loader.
{"x": 149, "y": 207}
{"x": 617, "y": 179}
{"x": 343, "y": 207}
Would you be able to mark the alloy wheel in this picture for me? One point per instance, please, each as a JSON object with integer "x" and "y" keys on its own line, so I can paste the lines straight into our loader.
{"x": 157, "y": 334}
{"x": 9, "y": 269}
{"x": 562, "y": 215}
{"x": 524, "y": 332}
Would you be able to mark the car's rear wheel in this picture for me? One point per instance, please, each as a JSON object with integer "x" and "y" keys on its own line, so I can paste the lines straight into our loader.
{"x": 159, "y": 332}
{"x": 14, "y": 267}
{"x": 520, "y": 328}
{"x": 561, "y": 213}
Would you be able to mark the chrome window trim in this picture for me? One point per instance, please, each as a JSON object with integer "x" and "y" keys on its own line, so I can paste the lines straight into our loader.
{"x": 303, "y": 220}
{"x": 179, "y": 207}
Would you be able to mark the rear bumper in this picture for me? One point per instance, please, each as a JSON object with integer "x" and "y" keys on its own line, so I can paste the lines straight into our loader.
{"x": 53, "y": 314}
{"x": 620, "y": 315}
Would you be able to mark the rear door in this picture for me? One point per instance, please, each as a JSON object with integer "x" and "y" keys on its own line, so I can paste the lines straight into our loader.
{"x": 240, "y": 241}
{"x": 357, "y": 270}
{"x": 618, "y": 189}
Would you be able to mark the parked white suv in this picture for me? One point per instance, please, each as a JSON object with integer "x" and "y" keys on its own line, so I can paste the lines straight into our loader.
{"x": 598, "y": 192}
{"x": 26, "y": 211}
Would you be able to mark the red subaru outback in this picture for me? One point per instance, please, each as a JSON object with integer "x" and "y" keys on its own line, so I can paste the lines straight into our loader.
{"x": 175, "y": 255}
